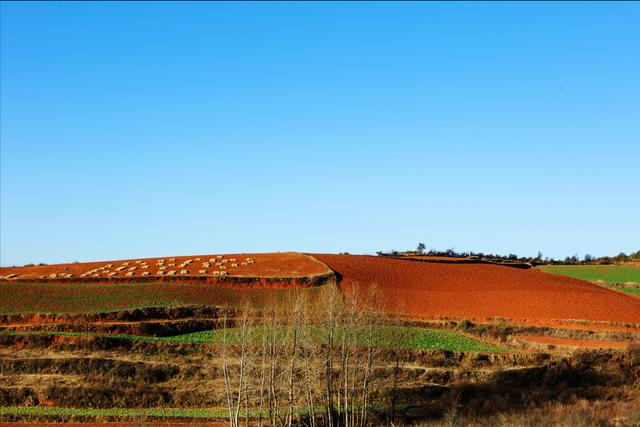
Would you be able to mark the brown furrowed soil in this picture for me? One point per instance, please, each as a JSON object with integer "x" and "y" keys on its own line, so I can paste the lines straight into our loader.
{"x": 431, "y": 290}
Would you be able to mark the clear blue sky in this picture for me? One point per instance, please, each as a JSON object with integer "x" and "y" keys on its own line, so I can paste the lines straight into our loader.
{"x": 133, "y": 130}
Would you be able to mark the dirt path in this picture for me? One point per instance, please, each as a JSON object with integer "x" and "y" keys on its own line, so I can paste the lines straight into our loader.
{"x": 568, "y": 342}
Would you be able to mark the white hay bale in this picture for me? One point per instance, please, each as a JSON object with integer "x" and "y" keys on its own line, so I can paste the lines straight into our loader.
{"x": 232, "y": 259}
{"x": 223, "y": 268}
{"x": 225, "y": 261}
{"x": 159, "y": 273}
{"x": 171, "y": 273}
{"x": 129, "y": 274}
{"x": 202, "y": 271}
{"x": 162, "y": 268}
{"x": 132, "y": 268}
{"x": 145, "y": 273}
{"x": 212, "y": 260}
{"x": 139, "y": 261}
{"x": 216, "y": 273}
{"x": 223, "y": 273}
{"x": 144, "y": 266}
{"x": 52, "y": 275}
{"x": 183, "y": 271}
{"x": 108, "y": 265}
{"x": 196, "y": 259}
{"x": 234, "y": 265}
{"x": 219, "y": 256}
{"x": 243, "y": 263}
{"x": 120, "y": 268}
{"x": 206, "y": 264}
{"x": 171, "y": 264}
{"x": 113, "y": 273}
{"x": 125, "y": 263}
{"x": 172, "y": 259}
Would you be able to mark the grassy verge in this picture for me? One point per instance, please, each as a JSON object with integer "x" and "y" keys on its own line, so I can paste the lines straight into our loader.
{"x": 412, "y": 338}
{"x": 100, "y": 297}
{"x": 603, "y": 273}
{"x": 121, "y": 412}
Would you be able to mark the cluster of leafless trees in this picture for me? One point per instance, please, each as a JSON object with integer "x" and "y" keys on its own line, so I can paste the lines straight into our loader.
{"x": 307, "y": 360}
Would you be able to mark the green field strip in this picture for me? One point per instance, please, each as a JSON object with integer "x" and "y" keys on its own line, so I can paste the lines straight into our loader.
{"x": 410, "y": 338}
{"x": 120, "y": 412}
{"x": 594, "y": 273}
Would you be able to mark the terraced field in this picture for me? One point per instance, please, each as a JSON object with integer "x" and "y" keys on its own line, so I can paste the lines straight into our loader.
{"x": 603, "y": 273}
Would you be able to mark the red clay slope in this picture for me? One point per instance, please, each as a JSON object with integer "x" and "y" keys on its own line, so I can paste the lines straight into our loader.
{"x": 480, "y": 291}
{"x": 265, "y": 265}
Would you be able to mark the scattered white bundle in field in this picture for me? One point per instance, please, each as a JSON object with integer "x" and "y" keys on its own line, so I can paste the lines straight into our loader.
{"x": 225, "y": 261}
{"x": 206, "y": 264}
{"x": 145, "y": 273}
{"x": 10, "y": 276}
{"x": 223, "y": 268}
{"x": 129, "y": 274}
{"x": 171, "y": 264}
{"x": 159, "y": 273}
{"x": 218, "y": 256}
{"x": 183, "y": 271}
{"x": 144, "y": 266}
{"x": 232, "y": 259}
{"x": 243, "y": 263}
{"x": 202, "y": 271}
{"x": 162, "y": 268}
{"x": 172, "y": 259}
{"x": 139, "y": 261}
{"x": 132, "y": 268}
{"x": 112, "y": 273}
{"x": 171, "y": 273}
{"x": 196, "y": 259}
{"x": 125, "y": 263}
{"x": 216, "y": 273}
{"x": 53, "y": 276}
{"x": 120, "y": 268}
{"x": 212, "y": 260}
{"x": 234, "y": 265}
{"x": 223, "y": 273}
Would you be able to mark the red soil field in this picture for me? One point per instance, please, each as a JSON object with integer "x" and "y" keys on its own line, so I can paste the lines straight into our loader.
{"x": 480, "y": 291}
{"x": 269, "y": 265}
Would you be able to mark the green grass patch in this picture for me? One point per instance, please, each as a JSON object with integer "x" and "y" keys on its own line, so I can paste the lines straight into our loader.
{"x": 604, "y": 273}
{"x": 411, "y": 338}
{"x": 120, "y": 412}
{"x": 77, "y": 298}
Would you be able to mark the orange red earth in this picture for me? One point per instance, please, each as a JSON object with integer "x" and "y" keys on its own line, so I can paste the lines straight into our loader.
{"x": 481, "y": 291}
{"x": 425, "y": 290}
{"x": 282, "y": 264}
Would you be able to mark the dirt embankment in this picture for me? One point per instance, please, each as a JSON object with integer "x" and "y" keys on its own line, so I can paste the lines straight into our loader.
{"x": 432, "y": 290}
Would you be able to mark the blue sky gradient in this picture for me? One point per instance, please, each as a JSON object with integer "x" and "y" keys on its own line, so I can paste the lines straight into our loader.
{"x": 142, "y": 129}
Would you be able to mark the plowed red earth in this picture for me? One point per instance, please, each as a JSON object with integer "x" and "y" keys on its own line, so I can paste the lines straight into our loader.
{"x": 282, "y": 264}
{"x": 480, "y": 291}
